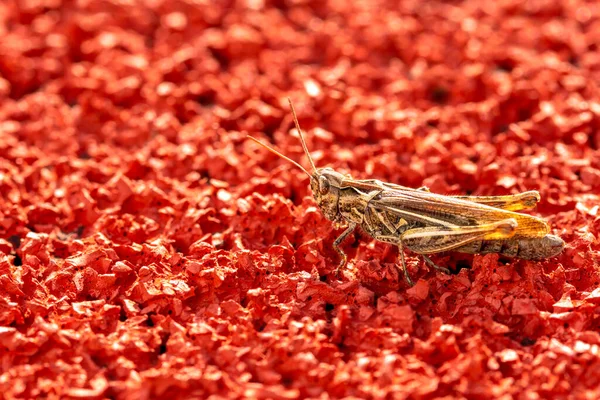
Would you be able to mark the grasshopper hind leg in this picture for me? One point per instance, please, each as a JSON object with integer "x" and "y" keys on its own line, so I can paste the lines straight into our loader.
{"x": 429, "y": 262}
{"x": 429, "y": 240}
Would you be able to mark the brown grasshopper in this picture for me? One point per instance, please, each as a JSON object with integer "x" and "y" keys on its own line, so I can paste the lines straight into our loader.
{"x": 425, "y": 222}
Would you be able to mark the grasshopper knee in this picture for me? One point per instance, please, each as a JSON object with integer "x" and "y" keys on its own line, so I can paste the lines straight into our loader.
{"x": 530, "y": 198}
{"x": 508, "y": 226}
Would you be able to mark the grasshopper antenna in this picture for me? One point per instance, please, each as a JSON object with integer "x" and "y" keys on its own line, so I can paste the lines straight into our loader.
{"x": 312, "y": 164}
{"x": 272, "y": 150}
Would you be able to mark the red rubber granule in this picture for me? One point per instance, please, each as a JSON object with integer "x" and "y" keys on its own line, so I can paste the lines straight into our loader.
{"x": 149, "y": 250}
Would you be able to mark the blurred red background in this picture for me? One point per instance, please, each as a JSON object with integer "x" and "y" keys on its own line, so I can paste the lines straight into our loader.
{"x": 148, "y": 250}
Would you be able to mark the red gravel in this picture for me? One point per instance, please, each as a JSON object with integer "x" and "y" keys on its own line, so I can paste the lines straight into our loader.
{"x": 148, "y": 250}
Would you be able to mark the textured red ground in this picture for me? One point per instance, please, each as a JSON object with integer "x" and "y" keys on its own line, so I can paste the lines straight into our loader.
{"x": 148, "y": 250}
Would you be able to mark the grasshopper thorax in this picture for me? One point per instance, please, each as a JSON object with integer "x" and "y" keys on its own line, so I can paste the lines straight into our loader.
{"x": 326, "y": 185}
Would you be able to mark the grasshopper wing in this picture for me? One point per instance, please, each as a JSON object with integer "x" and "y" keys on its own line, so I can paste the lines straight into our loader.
{"x": 454, "y": 210}
{"x": 513, "y": 202}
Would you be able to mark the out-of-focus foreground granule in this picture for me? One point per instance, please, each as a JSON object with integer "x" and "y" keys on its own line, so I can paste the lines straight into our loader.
{"x": 148, "y": 250}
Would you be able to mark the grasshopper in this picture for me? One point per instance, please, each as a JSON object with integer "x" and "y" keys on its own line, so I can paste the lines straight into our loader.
{"x": 424, "y": 222}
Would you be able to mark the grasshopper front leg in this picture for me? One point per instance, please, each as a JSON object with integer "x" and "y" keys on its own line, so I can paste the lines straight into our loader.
{"x": 336, "y": 245}
{"x": 355, "y": 211}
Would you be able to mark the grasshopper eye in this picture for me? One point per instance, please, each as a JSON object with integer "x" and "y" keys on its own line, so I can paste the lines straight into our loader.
{"x": 323, "y": 185}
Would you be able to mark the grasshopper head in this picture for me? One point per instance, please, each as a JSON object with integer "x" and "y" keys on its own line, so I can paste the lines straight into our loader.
{"x": 325, "y": 184}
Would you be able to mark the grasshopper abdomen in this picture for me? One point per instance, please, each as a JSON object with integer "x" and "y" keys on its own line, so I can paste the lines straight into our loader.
{"x": 518, "y": 247}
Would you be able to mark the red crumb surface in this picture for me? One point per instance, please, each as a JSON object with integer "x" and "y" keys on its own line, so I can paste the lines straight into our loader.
{"x": 148, "y": 250}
